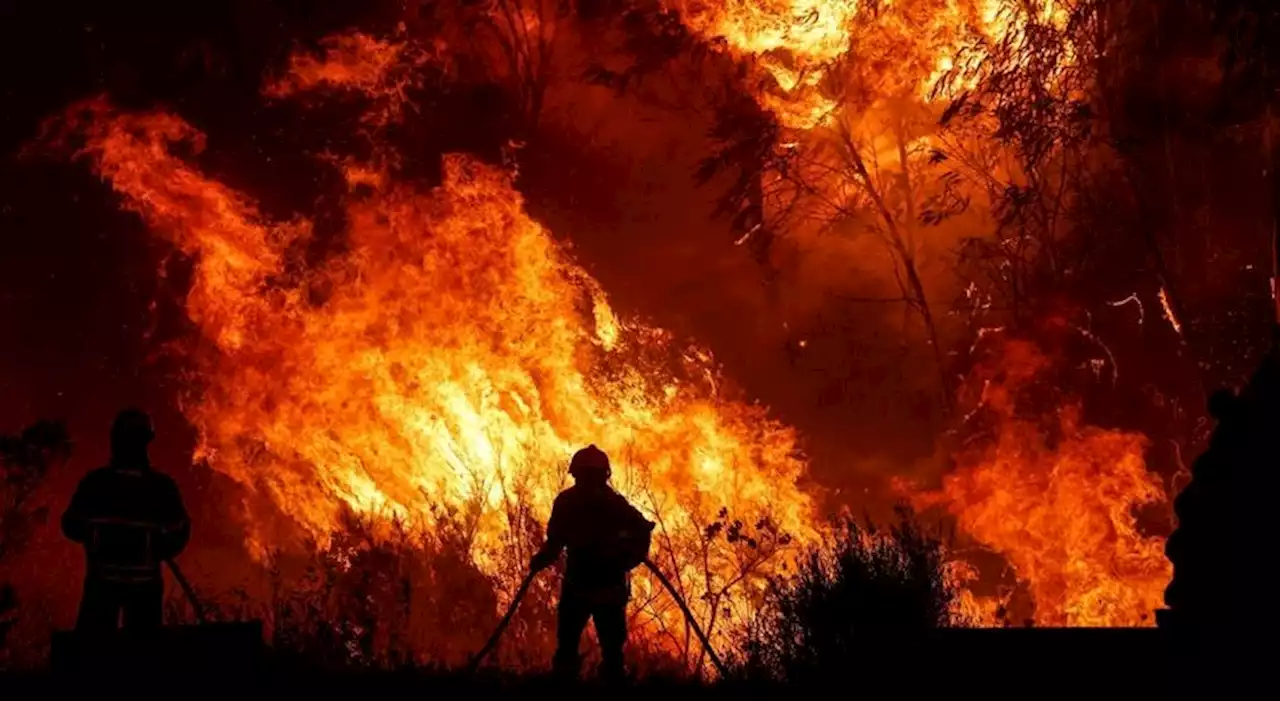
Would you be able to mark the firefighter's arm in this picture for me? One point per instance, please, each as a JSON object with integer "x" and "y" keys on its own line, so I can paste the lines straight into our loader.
{"x": 551, "y": 550}
{"x": 75, "y": 520}
{"x": 175, "y": 525}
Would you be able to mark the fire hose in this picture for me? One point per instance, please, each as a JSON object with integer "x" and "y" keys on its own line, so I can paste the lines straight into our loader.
{"x": 524, "y": 587}
{"x": 188, "y": 590}
{"x": 173, "y": 565}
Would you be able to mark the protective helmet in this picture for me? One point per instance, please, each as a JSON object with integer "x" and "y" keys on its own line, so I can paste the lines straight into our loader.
{"x": 590, "y": 462}
{"x": 132, "y": 427}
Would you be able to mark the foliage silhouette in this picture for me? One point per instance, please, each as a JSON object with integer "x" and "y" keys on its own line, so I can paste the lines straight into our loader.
{"x": 864, "y": 584}
{"x": 25, "y": 460}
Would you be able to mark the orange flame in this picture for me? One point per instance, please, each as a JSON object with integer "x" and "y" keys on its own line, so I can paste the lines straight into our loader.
{"x": 912, "y": 44}
{"x": 382, "y": 69}
{"x": 1058, "y": 501}
{"x": 793, "y": 40}
{"x": 1167, "y": 307}
{"x": 454, "y": 357}
{"x": 1060, "y": 510}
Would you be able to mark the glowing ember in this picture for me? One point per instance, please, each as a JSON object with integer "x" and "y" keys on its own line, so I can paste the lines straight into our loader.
{"x": 1058, "y": 500}
{"x": 1133, "y": 298}
{"x": 1168, "y": 312}
{"x": 451, "y": 360}
{"x": 381, "y": 69}
{"x": 351, "y": 60}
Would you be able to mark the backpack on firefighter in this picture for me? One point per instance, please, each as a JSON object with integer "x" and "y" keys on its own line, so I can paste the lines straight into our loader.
{"x": 634, "y": 544}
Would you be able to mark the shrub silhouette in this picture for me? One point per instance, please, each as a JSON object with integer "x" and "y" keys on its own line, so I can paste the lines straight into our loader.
{"x": 863, "y": 587}
{"x": 25, "y": 459}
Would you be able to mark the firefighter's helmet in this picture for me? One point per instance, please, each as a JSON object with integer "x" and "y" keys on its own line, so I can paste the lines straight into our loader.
{"x": 132, "y": 427}
{"x": 590, "y": 463}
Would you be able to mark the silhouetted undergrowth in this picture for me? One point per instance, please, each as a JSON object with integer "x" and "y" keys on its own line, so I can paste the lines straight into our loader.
{"x": 380, "y": 594}
{"x": 25, "y": 460}
{"x": 384, "y": 596}
{"x": 864, "y": 588}
{"x": 379, "y": 597}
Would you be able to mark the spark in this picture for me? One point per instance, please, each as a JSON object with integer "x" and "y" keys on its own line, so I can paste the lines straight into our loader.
{"x": 982, "y": 401}
{"x": 743, "y": 239}
{"x": 1115, "y": 367}
{"x": 1168, "y": 312}
{"x": 983, "y": 333}
{"x": 1142, "y": 312}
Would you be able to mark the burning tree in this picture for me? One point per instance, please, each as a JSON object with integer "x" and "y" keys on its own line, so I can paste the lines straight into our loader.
{"x": 922, "y": 123}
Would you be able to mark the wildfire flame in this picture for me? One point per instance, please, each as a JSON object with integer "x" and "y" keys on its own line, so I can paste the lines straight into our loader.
{"x": 381, "y": 69}
{"x": 453, "y": 358}
{"x": 792, "y": 43}
{"x": 913, "y": 44}
{"x": 1058, "y": 500}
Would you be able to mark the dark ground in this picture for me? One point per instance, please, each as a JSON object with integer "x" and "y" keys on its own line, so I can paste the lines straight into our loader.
{"x": 1005, "y": 663}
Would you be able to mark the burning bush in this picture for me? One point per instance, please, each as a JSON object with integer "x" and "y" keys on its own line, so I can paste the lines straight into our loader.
{"x": 391, "y": 596}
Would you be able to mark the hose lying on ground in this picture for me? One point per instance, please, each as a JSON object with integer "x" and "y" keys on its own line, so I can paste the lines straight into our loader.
{"x": 524, "y": 587}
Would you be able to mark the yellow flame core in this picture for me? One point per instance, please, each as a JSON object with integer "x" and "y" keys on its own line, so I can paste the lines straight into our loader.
{"x": 1063, "y": 511}
{"x": 815, "y": 30}
{"x": 454, "y": 357}
{"x": 912, "y": 45}
{"x": 1065, "y": 519}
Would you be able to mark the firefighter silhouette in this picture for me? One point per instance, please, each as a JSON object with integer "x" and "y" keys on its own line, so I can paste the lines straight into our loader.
{"x": 130, "y": 519}
{"x": 606, "y": 537}
{"x": 1222, "y": 575}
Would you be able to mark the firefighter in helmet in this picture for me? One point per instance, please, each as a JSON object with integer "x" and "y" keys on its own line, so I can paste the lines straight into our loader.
{"x": 605, "y": 537}
{"x": 130, "y": 519}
